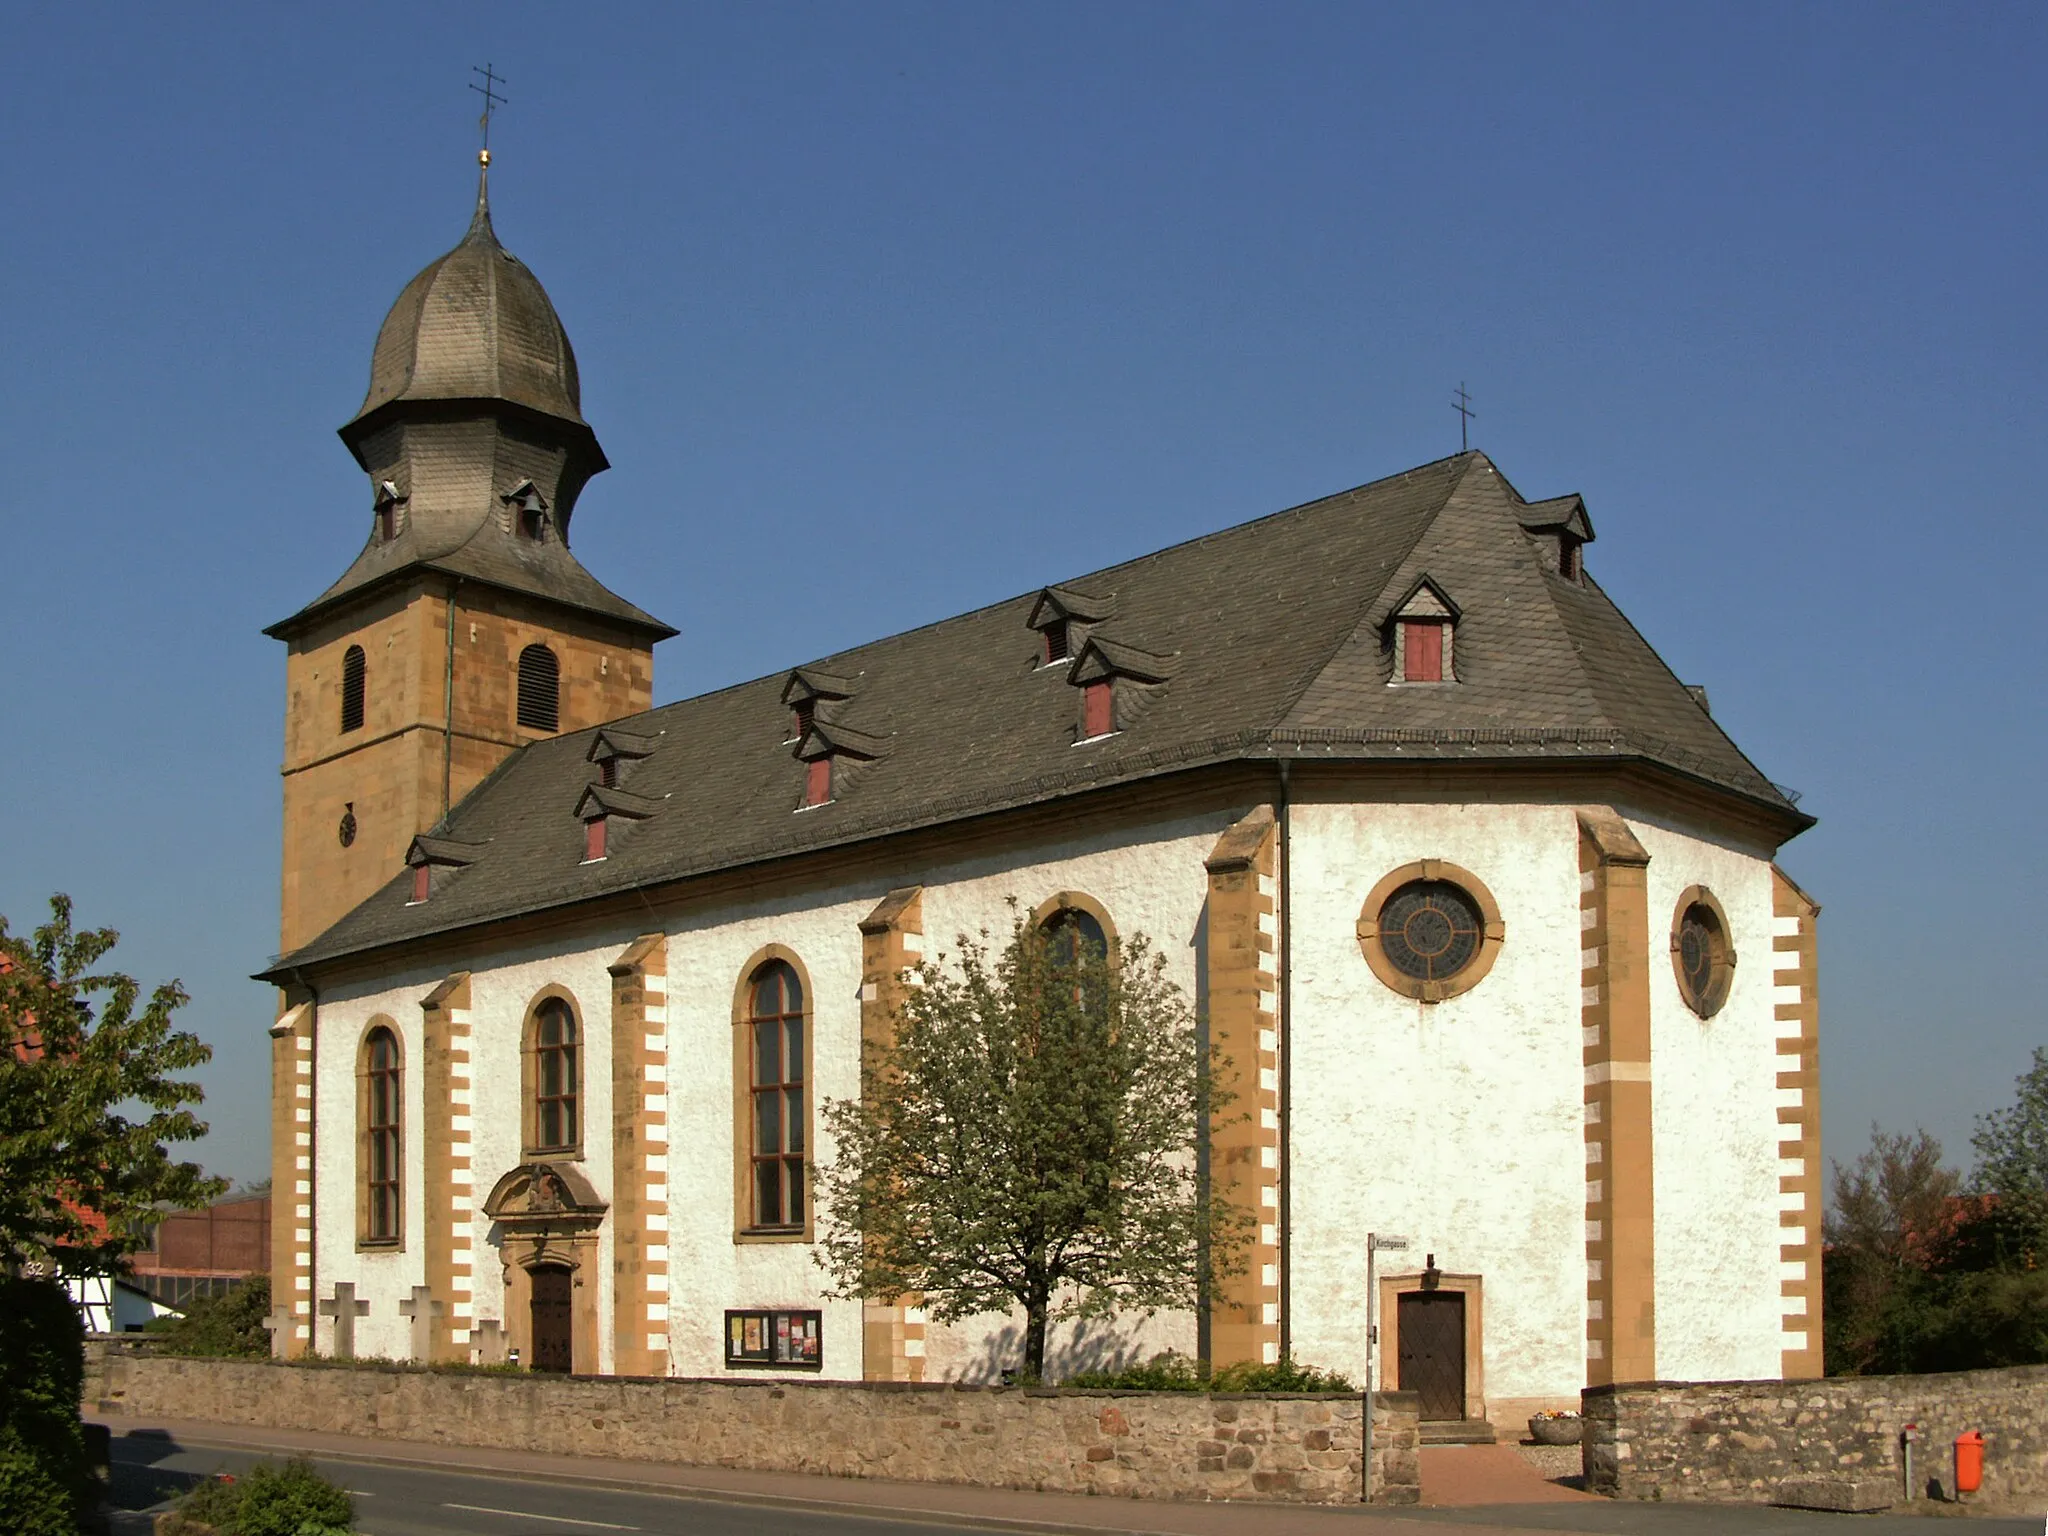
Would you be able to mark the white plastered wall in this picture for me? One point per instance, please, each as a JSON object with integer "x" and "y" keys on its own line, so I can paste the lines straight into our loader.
{"x": 1713, "y": 1111}
{"x": 1150, "y": 879}
{"x": 1455, "y": 1124}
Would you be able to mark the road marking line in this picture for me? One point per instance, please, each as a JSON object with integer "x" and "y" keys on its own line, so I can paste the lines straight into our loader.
{"x": 522, "y": 1514}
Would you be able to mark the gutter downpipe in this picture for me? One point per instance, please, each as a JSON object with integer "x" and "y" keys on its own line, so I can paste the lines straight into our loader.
{"x": 1286, "y": 1058}
{"x": 278, "y": 1208}
{"x": 448, "y": 708}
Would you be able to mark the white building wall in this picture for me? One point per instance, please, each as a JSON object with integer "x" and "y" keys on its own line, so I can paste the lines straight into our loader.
{"x": 1457, "y": 1124}
{"x": 1713, "y": 1113}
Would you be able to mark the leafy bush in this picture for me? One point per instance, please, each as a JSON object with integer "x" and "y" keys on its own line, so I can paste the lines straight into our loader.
{"x": 45, "y": 1482}
{"x": 271, "y": 1500}
{"x": 1281, "y": 1376}
{"x": 1170, "y": 1372}
{"x": 228, "y": 1325}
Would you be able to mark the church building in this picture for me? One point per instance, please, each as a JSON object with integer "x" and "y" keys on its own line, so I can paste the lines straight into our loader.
{"x": 1477, "y": 900}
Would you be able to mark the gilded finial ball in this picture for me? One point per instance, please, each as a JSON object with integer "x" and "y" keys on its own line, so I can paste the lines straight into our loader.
{"x": 483, "y": 157}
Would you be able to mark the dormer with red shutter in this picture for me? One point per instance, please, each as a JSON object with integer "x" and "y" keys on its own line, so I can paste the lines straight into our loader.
{"x": 1422, "y": 635}
{"x": 1561, "y": 529}
{"x": 1114, "y": 678}
{"x": 435, "y": 860}
{"x": 598, "y": 806}
{"x": 613, "y": 750}
{"x": 829, "y": 751}
{"x": 806, "y": 690}
{"x": 1062, "y": 617}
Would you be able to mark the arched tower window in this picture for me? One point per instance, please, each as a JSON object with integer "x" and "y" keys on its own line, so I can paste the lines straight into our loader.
{"x": 556, "y": 1076}
{"x": 540, "y": 689}
{"x": 779, "y": 1105}
{"x": 382, "y": 1114}
{"x": 354, "y": 679}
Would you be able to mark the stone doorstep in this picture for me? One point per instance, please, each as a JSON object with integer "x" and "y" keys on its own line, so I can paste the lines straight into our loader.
{"x": 1458, "y": 1432}
{"x": 1838, "y": 1495}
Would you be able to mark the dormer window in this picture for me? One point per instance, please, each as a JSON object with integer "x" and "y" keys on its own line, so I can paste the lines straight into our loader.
{"x": 430, "y": 853}
{"x": 600, "y": 803}
{"x": 804, "y": 689}
{"x": 1422, "y": 650}
{"x": 1425, "y": 626}
{"x": 1098, "y": 709}
{"x": 611, "y": 749}
{"x": 820, "y": 749}
{"x": 529, "y": 510}
{"x": 1560, "y": 529}
{"x": 1105, "y": 669}
{"x": 1061, "y": 616}
{"x": 388, "y": 503}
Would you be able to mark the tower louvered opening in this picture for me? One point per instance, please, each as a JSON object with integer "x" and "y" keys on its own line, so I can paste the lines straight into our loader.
{"x": 540, "y": 689}
{"x": 354, "y": 672}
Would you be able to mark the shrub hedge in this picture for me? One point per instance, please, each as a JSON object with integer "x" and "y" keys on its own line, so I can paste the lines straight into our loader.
{"x": 46, "y": 1484}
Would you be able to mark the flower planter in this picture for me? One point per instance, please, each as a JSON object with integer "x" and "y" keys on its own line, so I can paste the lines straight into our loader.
{"x": 1557, "y": 1431}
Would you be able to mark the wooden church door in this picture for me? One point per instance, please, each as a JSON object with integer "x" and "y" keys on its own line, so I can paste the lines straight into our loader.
{"x": 551, "y": 1318}
{"x": 1430, "y": 1330}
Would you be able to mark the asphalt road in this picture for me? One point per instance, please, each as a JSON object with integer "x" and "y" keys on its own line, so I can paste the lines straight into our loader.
{"x": 404, "y": 1501}
{"x": 150, "y": 1469}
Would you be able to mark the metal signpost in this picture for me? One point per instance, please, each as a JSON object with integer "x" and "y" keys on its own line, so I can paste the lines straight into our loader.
{"x": 1376, "y": 1243}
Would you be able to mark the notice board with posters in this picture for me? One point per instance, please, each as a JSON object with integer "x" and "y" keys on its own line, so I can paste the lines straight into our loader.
{"x": 781, "y": 1340}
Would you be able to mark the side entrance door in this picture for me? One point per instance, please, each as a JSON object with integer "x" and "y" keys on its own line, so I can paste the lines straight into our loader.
{"x": 1430, "y": 1333}
{"x": 551, "y": 1321}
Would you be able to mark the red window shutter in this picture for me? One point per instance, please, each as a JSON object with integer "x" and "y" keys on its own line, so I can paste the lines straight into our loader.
{"x": 818, "y": 781}
{"x": 1097, "y": 716}
{"x": 422, "y": 880}
{"x": 1422, "y": 648}
{"x": 593, "y": 838}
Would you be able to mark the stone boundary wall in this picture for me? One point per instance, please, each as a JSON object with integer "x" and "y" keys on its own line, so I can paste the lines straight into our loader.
{"x": 1161, "y": 1445}
{"x": 1773, "y": 1441}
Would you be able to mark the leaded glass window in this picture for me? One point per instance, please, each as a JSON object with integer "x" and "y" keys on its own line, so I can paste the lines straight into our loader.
{"x": 555, "y": 1077}
{"x": 383, "y": 1112}
{"x": 775, "y": 1023}
{"x": 1430, "y": 929}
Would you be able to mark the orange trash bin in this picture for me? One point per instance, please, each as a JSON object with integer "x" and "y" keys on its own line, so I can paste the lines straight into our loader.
{"x": 1969, "y": 1461}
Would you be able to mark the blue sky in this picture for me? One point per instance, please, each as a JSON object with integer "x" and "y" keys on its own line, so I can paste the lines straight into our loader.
{"x": 887, "y": 311}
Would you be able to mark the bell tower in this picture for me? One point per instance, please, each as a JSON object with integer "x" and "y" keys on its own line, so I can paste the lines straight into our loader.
{"x": 465, "y": 628}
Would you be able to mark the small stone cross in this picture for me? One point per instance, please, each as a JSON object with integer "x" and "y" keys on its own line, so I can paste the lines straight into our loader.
{"x": 488, "y": 1339}
{"x": 422, "y": 1309}
{"x": 281, "y": 1323}
{"x": 344, "y": 1309}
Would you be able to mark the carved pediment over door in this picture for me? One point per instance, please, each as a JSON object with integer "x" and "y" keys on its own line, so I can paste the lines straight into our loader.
{"x": 545, "y": 1196}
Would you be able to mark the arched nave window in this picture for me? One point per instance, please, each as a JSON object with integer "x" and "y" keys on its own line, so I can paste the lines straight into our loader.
{"x": 778, "y": 1100}
{"x": 380, "y": 1110}
{"x": 554, "y": 1075}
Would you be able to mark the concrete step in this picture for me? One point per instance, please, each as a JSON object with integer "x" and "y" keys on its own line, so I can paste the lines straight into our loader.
{"x": 1457, "y": 1432}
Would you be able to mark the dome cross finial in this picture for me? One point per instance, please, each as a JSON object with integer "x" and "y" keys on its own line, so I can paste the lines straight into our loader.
{"x": 492, "y": 101}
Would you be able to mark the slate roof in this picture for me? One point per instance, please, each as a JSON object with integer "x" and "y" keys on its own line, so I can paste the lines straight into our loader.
{"x": 1274, "y": 639}
{"x": 474, "y": 401}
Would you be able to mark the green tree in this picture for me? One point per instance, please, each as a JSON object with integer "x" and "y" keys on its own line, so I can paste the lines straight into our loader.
{"x": 89, "y": 1100}
{"x": 1886, "y": 1206}
{"x": 2012, "y": 1144}
{"x": 231, "y": 1324}
{"x": 1032, "y": 1138}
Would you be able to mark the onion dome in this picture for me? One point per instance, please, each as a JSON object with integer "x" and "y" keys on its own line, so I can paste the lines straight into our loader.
{"x": 475, "y": 325}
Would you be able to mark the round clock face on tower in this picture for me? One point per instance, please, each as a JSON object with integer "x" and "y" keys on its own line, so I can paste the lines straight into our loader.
{"x": 347, "y": 829}
{"x": 1430, "y": 930}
